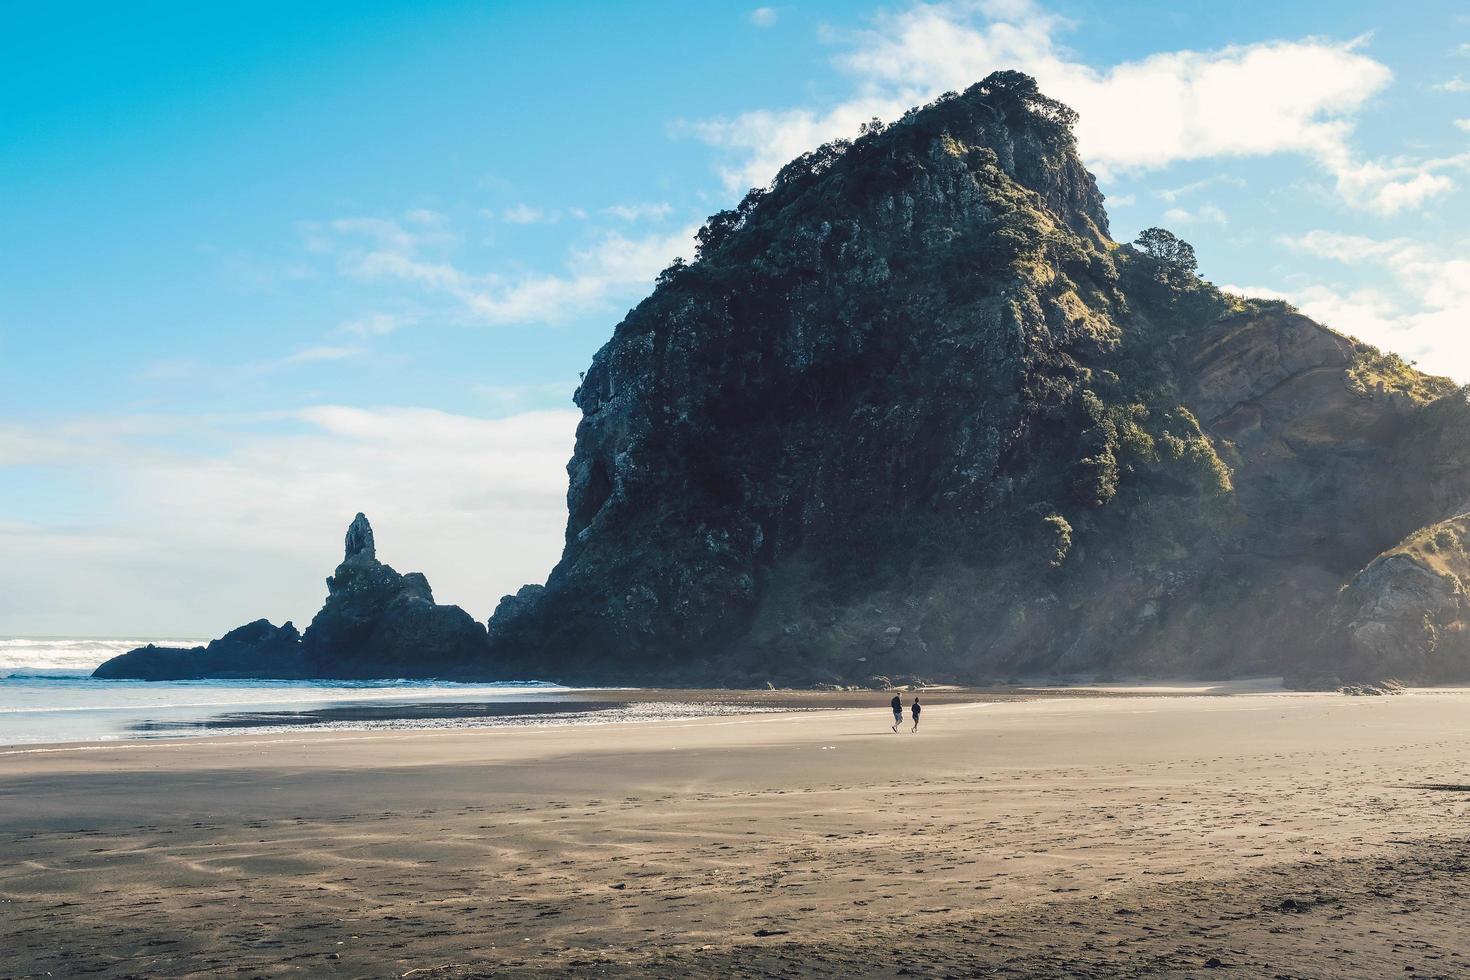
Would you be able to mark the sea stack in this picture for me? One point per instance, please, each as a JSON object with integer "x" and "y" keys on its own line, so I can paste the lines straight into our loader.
{"x": 376, "y": 623}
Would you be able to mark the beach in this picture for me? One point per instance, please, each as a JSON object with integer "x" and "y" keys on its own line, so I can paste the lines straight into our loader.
{"x": 1108, "y": 834}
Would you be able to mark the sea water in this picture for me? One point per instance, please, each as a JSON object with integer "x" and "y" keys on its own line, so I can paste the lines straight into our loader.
{"x": 47, "y": 694}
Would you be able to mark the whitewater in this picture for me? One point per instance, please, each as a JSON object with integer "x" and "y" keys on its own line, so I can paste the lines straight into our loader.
{"x": 47, "y": 694}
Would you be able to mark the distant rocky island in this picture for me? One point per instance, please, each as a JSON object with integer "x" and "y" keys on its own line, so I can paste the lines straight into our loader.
{"x": 912, "y": 411}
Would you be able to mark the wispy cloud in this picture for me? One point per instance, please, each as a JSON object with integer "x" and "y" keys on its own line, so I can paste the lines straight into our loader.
{"x": 437, "y": 485}
{"x": 1299, "y": 97}
{"x": 765, "y": 16}
{"x": 526, "y": 214}
{"x": 1391, "y": 187}
{"x": 383, "y": 250}
{"x": 376, "y": 324}
{"x": 1456, "y": 84}
{"x": 1172, "y": 194}
{"x": 323, "y": 352}
{"x": 507, "y": 396}
{"x": 523, "y": 214}
{"x": 646, "y": 211}
{"x": 1423, "y": 313}
{"x": 1204, "y": 214}
{"x": 614, "y": 264}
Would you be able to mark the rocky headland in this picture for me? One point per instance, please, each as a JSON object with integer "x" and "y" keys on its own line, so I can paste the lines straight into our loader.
{"x": 911, "y": 411}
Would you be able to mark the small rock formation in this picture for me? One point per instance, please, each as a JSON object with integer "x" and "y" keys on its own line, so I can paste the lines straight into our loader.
{"x": 375, "y": 623}
{"x": 1406, "y": 615}
{"x": 256, "y": 650}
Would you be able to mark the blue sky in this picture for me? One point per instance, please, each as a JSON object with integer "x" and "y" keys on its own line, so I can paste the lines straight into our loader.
{"x": 270, "y": 264}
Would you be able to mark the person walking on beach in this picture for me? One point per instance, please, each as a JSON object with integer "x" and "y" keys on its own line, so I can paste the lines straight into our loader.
{"x": 916, "y": 711}
{"x": 897, "y": 711}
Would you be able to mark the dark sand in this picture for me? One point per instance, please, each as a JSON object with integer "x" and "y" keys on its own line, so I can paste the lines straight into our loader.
{"x": 1257, "y": 835}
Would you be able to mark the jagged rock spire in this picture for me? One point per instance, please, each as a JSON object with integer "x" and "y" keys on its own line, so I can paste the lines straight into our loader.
{"x": 360, "y": 540}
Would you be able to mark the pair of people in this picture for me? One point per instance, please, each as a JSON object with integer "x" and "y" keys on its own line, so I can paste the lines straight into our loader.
{"x": 898, "y": 713}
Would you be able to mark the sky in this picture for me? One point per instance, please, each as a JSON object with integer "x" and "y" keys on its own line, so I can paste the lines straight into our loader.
{"x": 265, "y": 265}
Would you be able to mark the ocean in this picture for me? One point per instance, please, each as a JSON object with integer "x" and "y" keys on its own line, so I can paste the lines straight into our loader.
{"x": 47, "y": 695}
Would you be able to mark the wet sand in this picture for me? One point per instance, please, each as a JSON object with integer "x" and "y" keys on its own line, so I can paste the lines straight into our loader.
{"x": 1262, "y": 834}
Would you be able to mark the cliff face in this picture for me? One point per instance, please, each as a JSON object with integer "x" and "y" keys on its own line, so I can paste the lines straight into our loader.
{"x": 911, "y": 411}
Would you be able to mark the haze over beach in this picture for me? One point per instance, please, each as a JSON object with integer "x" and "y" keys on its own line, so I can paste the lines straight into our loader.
{"x": 941, "y": 489}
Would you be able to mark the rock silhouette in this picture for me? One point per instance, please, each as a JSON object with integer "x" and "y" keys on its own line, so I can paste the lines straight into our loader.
{"x": 376, "y": 623}
{"x": 253, "y": 651}
{"x": 379, "y": 623}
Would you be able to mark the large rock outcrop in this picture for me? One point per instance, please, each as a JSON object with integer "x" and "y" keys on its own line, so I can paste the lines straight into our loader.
{"x": 376, "y": 623}
{"x": 912, "y": 411}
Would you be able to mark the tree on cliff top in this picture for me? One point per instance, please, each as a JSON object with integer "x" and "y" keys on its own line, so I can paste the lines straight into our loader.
{"x": 1168, "y": 248}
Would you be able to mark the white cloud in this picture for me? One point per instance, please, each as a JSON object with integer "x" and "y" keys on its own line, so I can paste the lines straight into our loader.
{"x": 1463, "y": 124}
{"x": 1388, "y": 188}
{"x": 645, "y": 211}
{"x": 254, "y": 523}
{"x": 1423, "y": 317}
{"x": 1259, "y": 292}
{"x": 1273, "y": 97}
{"x": 519, "y": 395}
{"x": 1456, "y": 84}
{"x": 189, "y": 370}
{"x": 1204, "y": 214}
{"x": 764, "y": 16}
{"x": 523, "y": 214}
{"x": 378, "y": 250}
{"x": 614, "y": 264}
{"x": 1172, "y": 194}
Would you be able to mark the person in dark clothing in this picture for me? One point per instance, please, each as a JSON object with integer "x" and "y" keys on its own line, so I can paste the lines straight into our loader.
{"x": 897, "y": 711}
{"x": 916, "y": 710}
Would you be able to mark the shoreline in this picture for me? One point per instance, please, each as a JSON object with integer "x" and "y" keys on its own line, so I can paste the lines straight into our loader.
{"x": 396, "y": 706}
{"x": 1047, "y": 837}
